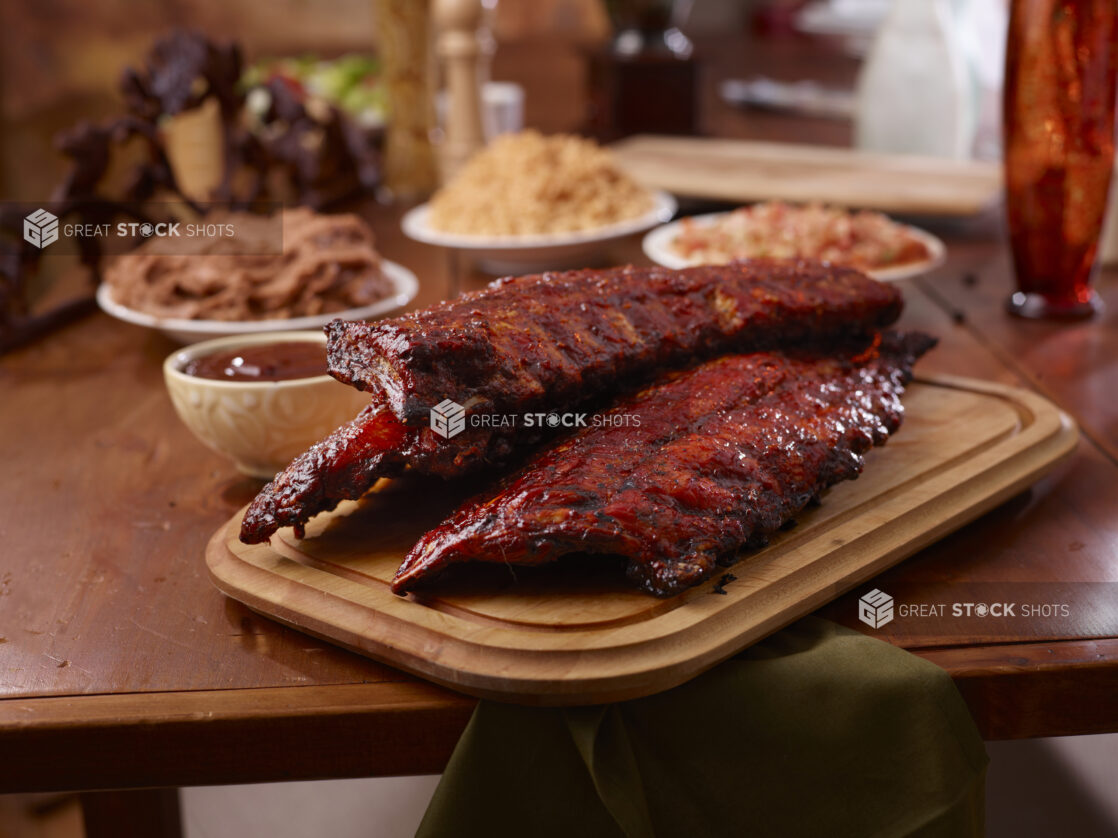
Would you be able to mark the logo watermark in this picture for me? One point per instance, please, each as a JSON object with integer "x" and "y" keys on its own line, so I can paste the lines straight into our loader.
{"x": 74, "y": 229}
{"x": 875, "y": 609}
{"x": 448, "y": 419}
{"x": 990, "y": 610}
{"x": 40, "y": 228}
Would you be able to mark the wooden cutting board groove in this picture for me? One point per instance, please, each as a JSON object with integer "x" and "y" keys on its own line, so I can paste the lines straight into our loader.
{"x": 742, "y": 171}
{"x": 577, "y": 635}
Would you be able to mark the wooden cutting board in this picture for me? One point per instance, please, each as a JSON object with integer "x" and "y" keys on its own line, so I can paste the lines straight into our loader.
{"x": 574, "y": 634}
{"x": 742, "y": 171}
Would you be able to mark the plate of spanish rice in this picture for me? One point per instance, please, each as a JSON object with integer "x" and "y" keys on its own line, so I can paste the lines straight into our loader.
{"x": 530, "y": 202}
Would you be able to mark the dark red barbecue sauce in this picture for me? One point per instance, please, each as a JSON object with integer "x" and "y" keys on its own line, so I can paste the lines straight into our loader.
{"x": 262, "y": 362}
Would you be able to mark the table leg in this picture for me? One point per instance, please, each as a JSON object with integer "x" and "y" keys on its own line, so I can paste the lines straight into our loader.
{"x": 142, "y": 813}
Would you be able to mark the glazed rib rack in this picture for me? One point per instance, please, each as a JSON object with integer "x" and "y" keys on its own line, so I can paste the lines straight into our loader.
{"x": 722, "y": 456}
{"x": 549, "y": 342}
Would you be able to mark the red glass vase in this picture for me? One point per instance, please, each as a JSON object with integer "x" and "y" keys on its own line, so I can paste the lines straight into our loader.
{"x": 1061, "y": 62}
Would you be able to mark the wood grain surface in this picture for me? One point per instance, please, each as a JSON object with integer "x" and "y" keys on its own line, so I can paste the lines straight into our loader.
{"x": 741, "y": 171}
{"x": 104, "y": 598}
{"x": 122, "y": 666}
{"x": 561, "y": 635}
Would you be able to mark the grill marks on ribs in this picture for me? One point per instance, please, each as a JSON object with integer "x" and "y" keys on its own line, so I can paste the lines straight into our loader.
{"x": 725, "y": 454}
{"x": 548, "y": 342}
{"x": 552, "y": 339}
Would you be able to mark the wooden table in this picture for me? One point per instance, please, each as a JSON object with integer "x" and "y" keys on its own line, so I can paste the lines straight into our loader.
{"x": 121, "y": 667}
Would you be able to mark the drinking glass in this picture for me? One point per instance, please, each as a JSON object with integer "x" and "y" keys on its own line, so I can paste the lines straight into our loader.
{"x": 1061, "y": 59}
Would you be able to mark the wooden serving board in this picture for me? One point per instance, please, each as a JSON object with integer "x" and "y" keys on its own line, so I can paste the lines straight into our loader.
{"x": 573, "y": 633}
{"x": 741, "y": 171}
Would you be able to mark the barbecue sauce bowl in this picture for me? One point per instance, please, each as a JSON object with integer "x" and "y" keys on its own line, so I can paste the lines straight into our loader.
{"x": 259, "y": 399}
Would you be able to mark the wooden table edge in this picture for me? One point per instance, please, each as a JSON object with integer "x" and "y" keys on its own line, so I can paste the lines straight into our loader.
{"x": 1079, "y": 676}
{"x": 217, "y": 737}
{"x": 392, "y": 728}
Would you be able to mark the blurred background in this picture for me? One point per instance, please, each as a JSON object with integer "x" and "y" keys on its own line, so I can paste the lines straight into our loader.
{"x": 62, "y": 59}
{"x": 61, "y": 62}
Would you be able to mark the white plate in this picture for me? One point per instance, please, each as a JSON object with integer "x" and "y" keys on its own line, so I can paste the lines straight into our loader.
{"x": 531, "y": 254}
{"x": 192, "y": 331}
{"x": 658, "y": 246}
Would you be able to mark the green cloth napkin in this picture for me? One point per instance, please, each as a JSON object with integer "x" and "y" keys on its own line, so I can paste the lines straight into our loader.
{"x": 816, "y": 731}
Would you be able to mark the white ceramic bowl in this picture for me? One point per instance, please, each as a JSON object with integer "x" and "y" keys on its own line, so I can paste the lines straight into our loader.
{"x": 405, "y": 285}
{"x": 260, "y": 425}
{"x": 532, "y": 254}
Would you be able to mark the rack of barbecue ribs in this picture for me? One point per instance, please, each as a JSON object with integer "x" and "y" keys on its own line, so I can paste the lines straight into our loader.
{"x": 551, "y": 339}
{"x": 724, "y": 455}
{"x": 546, "y": 342}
